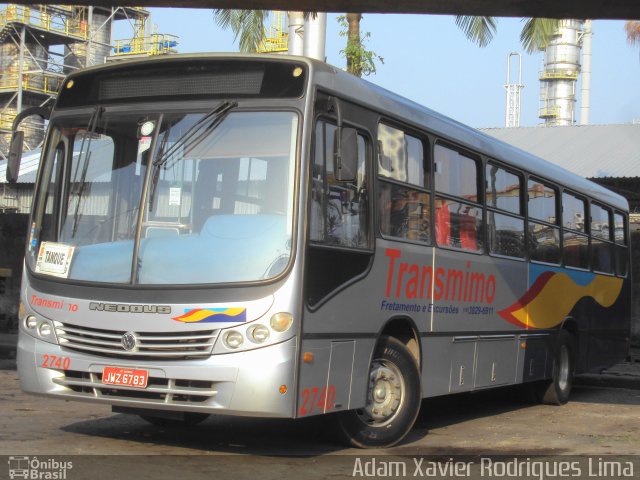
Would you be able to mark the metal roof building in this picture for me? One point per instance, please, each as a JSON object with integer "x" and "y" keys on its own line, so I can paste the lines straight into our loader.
{"x": 592, "y": 151}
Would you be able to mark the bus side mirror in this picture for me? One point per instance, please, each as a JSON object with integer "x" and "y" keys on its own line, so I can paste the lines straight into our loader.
{"x": 345, "y": 154}
{"x": 17, "y": 140}
{"x": 15, "y": 155}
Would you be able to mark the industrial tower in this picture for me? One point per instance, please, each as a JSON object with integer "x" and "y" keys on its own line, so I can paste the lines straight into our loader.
{"x": 40, "y": 44}
{"x": 560, "y": 74}
{"x": 514, "y": 90}
{"x": 276, "y": 37}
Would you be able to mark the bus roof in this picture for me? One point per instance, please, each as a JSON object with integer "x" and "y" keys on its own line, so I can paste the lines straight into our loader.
{"x": 403, "y": 110}
{"x": 419, "y": 116}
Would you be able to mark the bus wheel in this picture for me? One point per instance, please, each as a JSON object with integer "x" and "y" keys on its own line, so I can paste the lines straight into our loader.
{"x": 189, "y": 419}
{"x": 557, "y": 390}
{"x": 393, "y": 399}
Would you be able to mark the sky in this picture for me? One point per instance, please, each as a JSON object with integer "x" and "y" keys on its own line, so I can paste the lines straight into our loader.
{"x": 428, "y": 59}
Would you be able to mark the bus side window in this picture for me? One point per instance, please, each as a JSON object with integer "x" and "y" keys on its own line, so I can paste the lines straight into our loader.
{"x": 339, "y": 210}
{"x": 403, "y": 200}
{"x": 575, "y": 241}
{"x": 544, "y": 232}
{"x": 458, "y": 219}
{"x": 621, "y": 243}
{"x": 505, "y": 221}
{"x": 602, "y": 249}
{"x": 52, "y": 202}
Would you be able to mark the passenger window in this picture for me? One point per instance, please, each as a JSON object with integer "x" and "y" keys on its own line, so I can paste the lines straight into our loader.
{"x": 621, "y": 250}
{"x": 455, "y": 173}
{"x": 503, "y": 189}
{"x": 602, "y": 255}
{"x": 619, "y": 229}
{"x": 458, "y": 220}
{"x": 602, "y": 250}
{"x": 503, "y": 194}
{"x": 544, "y": 243}
{"x": 573, "y": 216}
{"x": 404, "y": 212}
{"x": 600, "y": 222}
{"x": 576, "y": 244}
{"x": 404, "y": 207}
{"x": 339, "y": 210}
{"x": 401, "y": 157}
{"x": 544, "y": 236}
{"x": 576, "y": 250}
{"x": 506, "y": 234}
{"x": 542, "y": 202}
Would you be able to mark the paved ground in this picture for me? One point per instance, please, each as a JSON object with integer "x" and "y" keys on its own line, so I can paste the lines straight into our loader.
{"x": 600, "y": 420}
{"x": 603, "y": 418}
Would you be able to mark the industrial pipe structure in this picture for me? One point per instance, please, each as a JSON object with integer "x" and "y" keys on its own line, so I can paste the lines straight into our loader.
{"x": 594, "y": 9}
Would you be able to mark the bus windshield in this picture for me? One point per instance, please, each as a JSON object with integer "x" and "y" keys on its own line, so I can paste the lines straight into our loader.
{"x": 194, "y": 198}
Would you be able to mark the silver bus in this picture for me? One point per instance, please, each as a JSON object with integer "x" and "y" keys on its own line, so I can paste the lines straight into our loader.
{"x": 273, "y": 237}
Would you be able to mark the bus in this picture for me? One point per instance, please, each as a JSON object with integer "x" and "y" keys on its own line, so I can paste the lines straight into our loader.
{"x": 269, "y": 236}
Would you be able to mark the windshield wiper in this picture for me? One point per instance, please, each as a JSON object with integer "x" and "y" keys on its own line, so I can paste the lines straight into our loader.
{"x": 192, "y": 138}
{"x": 91, "y": 128}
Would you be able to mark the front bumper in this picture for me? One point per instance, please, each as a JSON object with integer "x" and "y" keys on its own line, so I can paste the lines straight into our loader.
{"x": 245, "y": 383}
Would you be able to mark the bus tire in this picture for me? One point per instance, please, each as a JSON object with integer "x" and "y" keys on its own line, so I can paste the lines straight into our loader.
{"x": 557, "y": 390}
{"x": 189, "y": 419}
{"x": 393, "y": 399}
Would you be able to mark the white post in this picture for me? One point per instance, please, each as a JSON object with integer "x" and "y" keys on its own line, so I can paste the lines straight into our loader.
{"x": 315, "y": 35}
{"x": 585, "y": 91}
{"x": 296, "y": 30}
{"x": 87, "y": 61}
{"x": 23, "y": 34}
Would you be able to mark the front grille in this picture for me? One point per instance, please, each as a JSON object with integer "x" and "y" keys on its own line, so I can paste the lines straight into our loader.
{"x": 155, "y": 345}
{"x": 165, "y": 390}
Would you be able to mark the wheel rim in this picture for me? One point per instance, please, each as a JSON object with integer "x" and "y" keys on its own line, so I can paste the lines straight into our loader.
{"x": 385, "y": 395}
{"x": 563, "y": 368}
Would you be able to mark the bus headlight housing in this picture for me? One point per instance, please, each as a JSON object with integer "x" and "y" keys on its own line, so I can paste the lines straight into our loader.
{"x": 240, "y": 338}
{"x": 39, "y": 328}
{"x": 45, "y": 330}
{"x": 281, "y": 322}
{"x": 30, "y": 322}
{"x": 35, "y": 325}
{"x": 258, "y": 333}
{"x": 233, "y": 339}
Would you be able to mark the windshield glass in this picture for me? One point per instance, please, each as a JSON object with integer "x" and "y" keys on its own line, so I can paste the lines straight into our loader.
{"x": 195, "y": 198}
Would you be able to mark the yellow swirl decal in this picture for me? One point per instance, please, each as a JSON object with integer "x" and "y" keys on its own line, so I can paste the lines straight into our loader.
{"x": 210, "y": 315}
{"x": 554, "y": 294}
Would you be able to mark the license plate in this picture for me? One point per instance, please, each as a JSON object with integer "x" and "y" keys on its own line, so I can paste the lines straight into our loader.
{"x": 128, "y": 377}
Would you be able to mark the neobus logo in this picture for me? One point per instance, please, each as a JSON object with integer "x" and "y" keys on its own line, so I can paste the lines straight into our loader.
{"x": 418, "y": 281}
{"x": 126, "y": 308}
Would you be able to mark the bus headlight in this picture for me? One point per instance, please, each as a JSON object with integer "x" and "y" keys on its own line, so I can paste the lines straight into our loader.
{"x": 233, "y": 339}
{"x": 30, "y": 322}
{"x": 281, "y": 322}
{"x": 39, "y": 328}
{"x": 45, "y": 330}
{"x": 258, "y": 333}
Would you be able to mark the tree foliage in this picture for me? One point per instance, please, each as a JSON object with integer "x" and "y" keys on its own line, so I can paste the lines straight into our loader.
{"x": 632, "y": 28}
{"x": 360, "y": 60}
{"x": 535, "y": 35}
{"x": 247, "y": 26}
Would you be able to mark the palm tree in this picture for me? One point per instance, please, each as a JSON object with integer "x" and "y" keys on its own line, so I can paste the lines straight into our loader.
{"x": 632, "y": 27}
{"x": 535, "y": 34}
{"x": 354, "y": 43}
{"x": 246, "y": 25}
{"x": 360, "y": 60}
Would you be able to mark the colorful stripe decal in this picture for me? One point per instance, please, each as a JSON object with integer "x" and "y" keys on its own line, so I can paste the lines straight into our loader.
{"x": 210, "y": 315}
{"x": 553, "y": 295}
